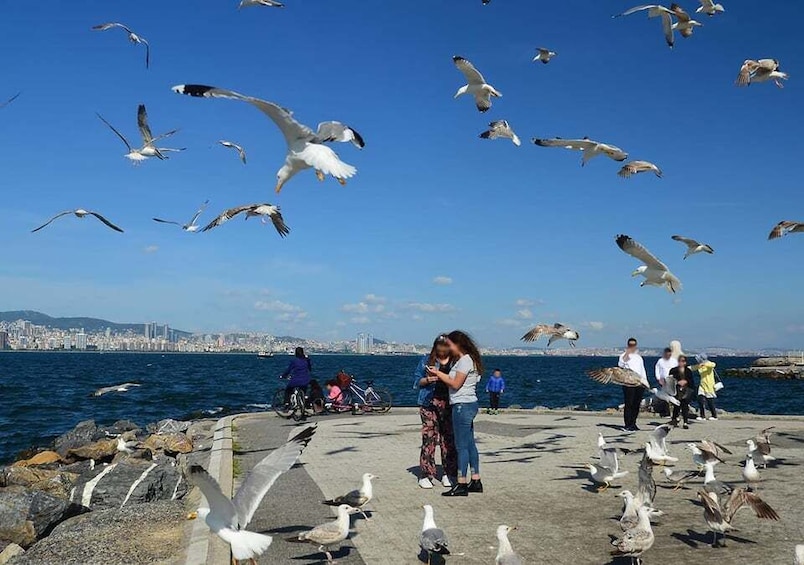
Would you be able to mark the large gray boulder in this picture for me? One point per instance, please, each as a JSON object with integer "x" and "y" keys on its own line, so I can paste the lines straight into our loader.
{"x": 85, "y": 432}
{"x": 27, "y": 515}
{"x": 130, "y": 481}
{"x": 54, "y": 482}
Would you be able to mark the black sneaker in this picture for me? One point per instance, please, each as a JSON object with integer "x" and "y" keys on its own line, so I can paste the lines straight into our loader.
{"x": 460, "y": 489}
{"x": 475, "y": 486}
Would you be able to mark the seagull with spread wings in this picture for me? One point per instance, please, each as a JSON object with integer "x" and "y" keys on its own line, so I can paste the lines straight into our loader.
{"x": 79, "y": 213}
{"x": 719, "y": 518}
{"x": 148, "y": 149}
{"x": 477, "y": 85}
{"x": 10, "y": 100}
{"x": 132, "y": 37}
{"x": 655, "y": 272}
{"x": 190, "y": 226}
{"x": 589, "y": 147}
{"x": 709, "y": 8}
{"x": 556, "y": 331}
{"x": 786, "y": 227}
{"x": 544, "y": 55}
{"x": 240, "y": 151}
{"x": 693, "y": 246}
{"x": 684, "y": 24}
{"x": 761, "y": 70}
{"x": 622, "y": 376}
{"x": 306, "y": 147}
{"x": 501, "y": 129}
{"x": 228, "y": 518}
{"x": 265, "y": 210}
{"x": 636, "y": 167}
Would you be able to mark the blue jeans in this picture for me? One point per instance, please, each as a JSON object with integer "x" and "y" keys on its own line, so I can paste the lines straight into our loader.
{"x": 463, "y": 416}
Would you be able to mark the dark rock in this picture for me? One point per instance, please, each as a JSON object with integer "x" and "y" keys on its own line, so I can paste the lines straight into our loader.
{"x": 56, "y": 483}
{"x": 168, "y": 426}
{"x": 85, "y": 432}
{"x": 145, "y": 533}
{"x": 27, "y": 515}
{"x": 100, "y": 450}
{"x": 121, "y": 426}
{"x": 154, "y": 481}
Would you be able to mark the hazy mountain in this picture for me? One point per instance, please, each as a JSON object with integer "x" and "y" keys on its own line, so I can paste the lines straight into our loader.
{"x": 89, "y": 324}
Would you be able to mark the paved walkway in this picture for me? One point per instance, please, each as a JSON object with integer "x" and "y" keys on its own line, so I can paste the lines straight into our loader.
{"x": 532, "y": 467}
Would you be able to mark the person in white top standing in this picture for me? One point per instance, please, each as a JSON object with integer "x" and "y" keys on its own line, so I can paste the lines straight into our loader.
{"x": 661, "y": 372}
{"x": 632, "y": 396}
{"x": 462, "y": 381}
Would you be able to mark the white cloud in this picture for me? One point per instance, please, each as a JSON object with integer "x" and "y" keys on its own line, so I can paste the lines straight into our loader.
{"x": 151, "y": 249}
{"x": 596, "y": 326}
{"x": 291, "y": 317}
{"x": 442, "y": 280}
{"x": 427, "y": 307}
{"x": 276, "y": 306}
{"x": 363, "y": 307}
{"x": 374, "y": 299}
{"x": 524, "y": 314}
{"x": 360, "y": 320}
{"x": 524, "y": 302}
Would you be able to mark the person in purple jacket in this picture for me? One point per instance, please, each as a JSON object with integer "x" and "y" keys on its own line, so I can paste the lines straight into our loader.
{"x": 298, "y": 371}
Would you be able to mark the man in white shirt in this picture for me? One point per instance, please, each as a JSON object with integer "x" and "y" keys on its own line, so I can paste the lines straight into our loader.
{"x": 630, "y": 359}
{"x": 661, "y": 372}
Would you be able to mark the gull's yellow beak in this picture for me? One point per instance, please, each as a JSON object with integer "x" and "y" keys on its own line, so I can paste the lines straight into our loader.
{"x": 192, "y": 515}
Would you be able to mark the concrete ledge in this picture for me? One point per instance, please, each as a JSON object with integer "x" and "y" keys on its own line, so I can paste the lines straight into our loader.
{"x": 205, "y": 547}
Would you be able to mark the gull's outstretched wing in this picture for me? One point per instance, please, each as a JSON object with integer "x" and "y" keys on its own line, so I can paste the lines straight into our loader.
{"x": 336, "y": 131}
{"x": 199, "y": 212}
{"x": 56, "y": 217}
{"x": 265, "y": 473}
{"x": 161, "y": 221}
{"x": 105, "y": 221}
{"x": 120, "y": 135}
{"x": 219, "y": 504}
{"x": 741, "y": 498}
{"x": 537, "y": 332}
{"x": 142, "y": 123}
{"x": 110, "y": 25}
{"x": 469, "y": 71}
{"x": 616, "y": 375}
{"x": 637, "y": 250}
{"x": 10, "y": 100}
{"x": 227, "y": 215}
{"x": 646, "y": 491}
{"x": 283, "y": 118}
{"x": 608, "y": 459}
{"x": 577, "y": 144}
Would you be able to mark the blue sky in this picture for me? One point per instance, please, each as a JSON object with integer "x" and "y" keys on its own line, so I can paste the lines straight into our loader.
{"x": 439, "y": 229}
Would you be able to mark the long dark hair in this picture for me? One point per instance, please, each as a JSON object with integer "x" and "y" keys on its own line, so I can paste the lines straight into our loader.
{"x": 440, "y": 340}
{"x": 300, "y": 354}
{"x": 467, "y": 345}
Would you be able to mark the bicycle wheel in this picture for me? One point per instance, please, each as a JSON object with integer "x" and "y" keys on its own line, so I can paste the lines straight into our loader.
{"x": 297, "y": 405}
{"x": 278, "y": 404}
{"x": 379, "y": 400}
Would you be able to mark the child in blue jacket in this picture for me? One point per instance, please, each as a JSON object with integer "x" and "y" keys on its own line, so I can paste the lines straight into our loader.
{"x": 495, "y": 387}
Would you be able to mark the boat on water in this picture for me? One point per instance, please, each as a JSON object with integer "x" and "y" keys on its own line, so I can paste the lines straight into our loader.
{"x": 265, "y": 354}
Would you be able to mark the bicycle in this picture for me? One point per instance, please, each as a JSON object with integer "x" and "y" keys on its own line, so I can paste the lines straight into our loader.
{"x": 296, "y": 407}
{"x": 367, "y": 399}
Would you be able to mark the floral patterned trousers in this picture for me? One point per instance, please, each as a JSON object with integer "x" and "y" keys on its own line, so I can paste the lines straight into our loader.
{"x": 437, "y": 430}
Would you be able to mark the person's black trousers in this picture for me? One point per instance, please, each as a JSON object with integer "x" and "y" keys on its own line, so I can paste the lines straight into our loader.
{"x": 632, "y": 397}
{"x": 494, "y": 400}
{"x": 684, "y": 409}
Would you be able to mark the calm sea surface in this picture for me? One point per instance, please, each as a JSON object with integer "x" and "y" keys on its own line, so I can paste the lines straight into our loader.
{"x": 44, "y": 394}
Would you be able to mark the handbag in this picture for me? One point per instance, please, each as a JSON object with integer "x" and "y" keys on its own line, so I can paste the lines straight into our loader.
{"x": 718, "y": 383}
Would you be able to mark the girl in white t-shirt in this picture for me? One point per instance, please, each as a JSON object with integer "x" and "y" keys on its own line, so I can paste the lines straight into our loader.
{"x": 462, "y": 381}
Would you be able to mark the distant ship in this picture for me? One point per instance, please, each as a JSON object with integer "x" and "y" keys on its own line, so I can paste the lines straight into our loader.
{"x": 265, "y": 354}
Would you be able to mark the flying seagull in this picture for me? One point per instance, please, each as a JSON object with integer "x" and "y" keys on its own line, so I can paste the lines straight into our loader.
{"x": 655, "y": 272}
{"x": 79, "y": 213}
{"x": 693, "y": 246}
{"x": 269, "y": 3}
{"x": 123, "y": 387}
{"x": 306, "y": 147}
{"x": 228, "y": 518}
{"x": 265, "y": 210}
{"x": 709, "y": 8}
{"x": 618, "y": 375}
{"x": 719, "y": 518}
{"x": 556, "y": 331}
{"x": 684, "y": 24}
{"x": 477, "y": 85}
{"x": 501, "y": 129}
{"x": 590, "y": 148}
{"x": 505, "y": 553}
{"x": 544, "y": 55}
{"x": 190, "y": 226}
{"x": 148, "y": 148}
{"x": 636, "y": 167}
{"x": 432, "y": 540}
{"x": 329, "y": 533}
{"x": 240, "y": 151}
{"x": 761, "y": 70}
{"x": 132, "y": 37}
{"x": 357, "y": 498}
{"x": 10, "y": 100}
{"x": 785, "y": 227}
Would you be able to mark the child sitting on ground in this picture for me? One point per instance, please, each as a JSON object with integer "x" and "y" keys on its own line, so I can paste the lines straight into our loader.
{"x": 334, "y": 393}
{"x": 495, "y": 387}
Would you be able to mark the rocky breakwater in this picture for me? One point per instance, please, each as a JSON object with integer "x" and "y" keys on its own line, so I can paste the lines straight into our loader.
{"x": 55, "y": 502}
{"x": 771, "y": 368}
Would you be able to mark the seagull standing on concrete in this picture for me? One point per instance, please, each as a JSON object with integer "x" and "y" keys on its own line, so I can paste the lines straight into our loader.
{"x": 432, "y": 540}
{"x": 132, "y": 37}
{"x": 330, "y": 533}
{"x": 356, "y": 498}
{"x": 635, "y": 541}
{"x": 505, "y": 553}
{"x": 719, "y": 518}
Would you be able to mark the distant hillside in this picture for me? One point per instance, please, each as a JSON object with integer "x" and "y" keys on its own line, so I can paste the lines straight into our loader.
{"x": 89, "y": 324}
